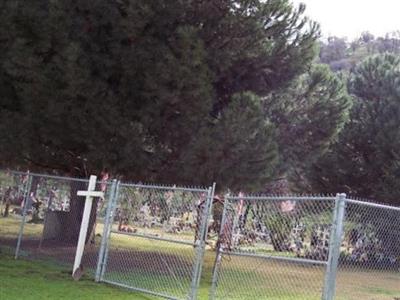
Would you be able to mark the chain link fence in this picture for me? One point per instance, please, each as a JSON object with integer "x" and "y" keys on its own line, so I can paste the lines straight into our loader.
{"x": 369, "y": 264}
{"x": 44, "y": 215}
{"x": 13, "y": 190}
{"x": 273, "y": 248}
{"x": 307, "y": 248}
{"x": 153, "y": 239}
{"x": 156, "y": 239}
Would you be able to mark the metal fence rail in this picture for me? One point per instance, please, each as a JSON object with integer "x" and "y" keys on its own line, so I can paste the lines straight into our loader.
{"x": 155, "y": 239}
{"x": 273, "y": 247}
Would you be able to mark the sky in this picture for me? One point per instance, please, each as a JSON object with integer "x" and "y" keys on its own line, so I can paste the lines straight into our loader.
{"x": 348, "y": 18}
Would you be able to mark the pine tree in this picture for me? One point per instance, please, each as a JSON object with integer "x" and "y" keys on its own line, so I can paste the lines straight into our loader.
{"x": 309, "y": 116}
{"x": 127, "y": 85}
{"x": 366, "y": 159}
{"x": 239, "y": 148}
{"x": 92, "y": 85}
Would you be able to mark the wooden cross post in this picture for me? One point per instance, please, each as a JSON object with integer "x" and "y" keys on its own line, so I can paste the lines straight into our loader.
{"x": 89, "y": 194}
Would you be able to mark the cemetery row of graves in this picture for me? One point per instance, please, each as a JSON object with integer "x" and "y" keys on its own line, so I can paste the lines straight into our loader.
{"x": 182, "y": 242}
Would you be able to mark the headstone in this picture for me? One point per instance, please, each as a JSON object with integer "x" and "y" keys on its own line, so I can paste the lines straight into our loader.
{"x": 52, "y": 226}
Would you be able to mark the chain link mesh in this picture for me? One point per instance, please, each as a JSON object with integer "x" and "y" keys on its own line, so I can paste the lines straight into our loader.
{"x": 157, "y": 240}
{"x": 268, "y": 247}
{"x": 12, "y": 192}
{"x": 53, "y": 215}
{"x": 264, "y": 278}
{"x": 277, "y": 248}
{"x": 295, "y": 227}
{"x": 273, "y": 248}
{"x": 370, "y": 253}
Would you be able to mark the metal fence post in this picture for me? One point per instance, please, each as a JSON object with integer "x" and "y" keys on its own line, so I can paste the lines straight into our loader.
{"x": 201, "y": 244}
{"x": 113, "y": 205}
{"x": 334, "y": 247}
{"x": 203, "y": 249}
{"x": 218, "y": 256}
{"x": 100, "y": 261}
{"x": 25, "y": 208}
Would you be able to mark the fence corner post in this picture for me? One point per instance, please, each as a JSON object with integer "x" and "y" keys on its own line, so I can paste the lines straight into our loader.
{"x": 201, "y": 244}
{"x": 334, "y": 247}
{"x": 114, "y": 203}
{"x": 24, "y": 211}
{"x": 104, "y": 237}
{"x": 218, "y": 255}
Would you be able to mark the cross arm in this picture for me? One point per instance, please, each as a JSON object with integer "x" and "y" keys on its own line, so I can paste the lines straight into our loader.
{"x": 91, "y": 193}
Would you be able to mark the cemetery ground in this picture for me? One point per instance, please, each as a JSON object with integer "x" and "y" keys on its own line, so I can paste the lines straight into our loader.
{"x": 47, "y": 279}
{"x": 25, "y": 279}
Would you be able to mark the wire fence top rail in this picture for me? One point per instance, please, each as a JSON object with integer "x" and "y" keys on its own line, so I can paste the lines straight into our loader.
{"x": 281, "y": 198}
{"x": 372, "y": 204}
{"x": 55, "y": 177}
{"x": 269, "y": 197}
{"x": 124, "y": 184}
{"x": 233, "y": 197}
{"x": 165, "y": 187}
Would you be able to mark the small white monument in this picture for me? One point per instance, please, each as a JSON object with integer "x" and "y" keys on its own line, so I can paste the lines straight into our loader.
{"x": 89, "y": 194}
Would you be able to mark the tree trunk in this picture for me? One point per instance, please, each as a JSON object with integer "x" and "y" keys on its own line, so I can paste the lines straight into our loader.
{"x": 7, "y": 202}
{"x": 34, "y": 200}
{"x": 66, "y": 224}
{"x": 71, "y": 220}
{"x": 7, "y": 209}
{"x": 278, "y": 242}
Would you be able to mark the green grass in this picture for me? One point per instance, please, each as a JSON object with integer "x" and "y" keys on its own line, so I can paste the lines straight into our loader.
{"x": 24, "y": 279}
{"x": 9, "y": 227}
{"x": 27, "y": 280}
{"x": 249, "y": 278}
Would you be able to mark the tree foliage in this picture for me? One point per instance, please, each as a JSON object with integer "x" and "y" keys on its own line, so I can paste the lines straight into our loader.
{"x": 138, "y": 87}
{"x": 239, "y": 148}
{"x": 343, "y": 55}
{"x": 309, "y": 116}
{"x": 366, "y": 159}
{"x": 334, "y": 50}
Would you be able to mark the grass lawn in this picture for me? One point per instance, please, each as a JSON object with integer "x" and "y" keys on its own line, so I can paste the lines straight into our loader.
{"x": 146, "y": 263}
{"x": 23, "y": 279}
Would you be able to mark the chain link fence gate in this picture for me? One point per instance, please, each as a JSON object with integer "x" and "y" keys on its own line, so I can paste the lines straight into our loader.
{"x": 369, "y": 263}
{"x": 273, "y": 247}
{"x": 44, "y": 218}
{"x": 154, "y": 239}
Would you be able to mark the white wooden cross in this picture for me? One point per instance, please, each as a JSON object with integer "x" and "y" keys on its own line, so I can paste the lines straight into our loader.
{"x": 89, "y": 194}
